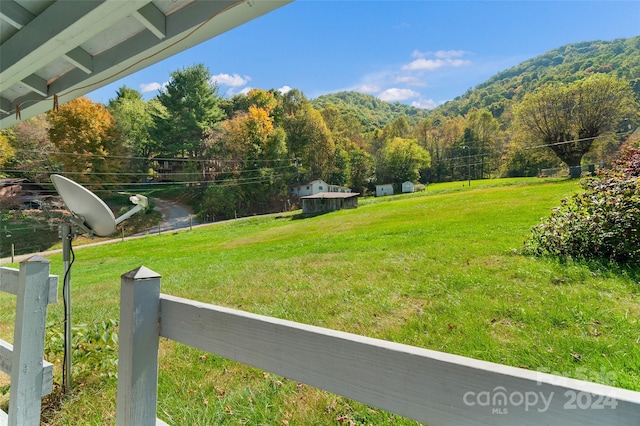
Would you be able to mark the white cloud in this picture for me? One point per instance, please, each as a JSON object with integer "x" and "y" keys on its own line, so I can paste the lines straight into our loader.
{"x": 419, "y": 54}
{"x": 450, "y": 53}
{"x": 396, "y": 95}
{"x": 425, "y": 103}
{"x": 234, "y": 80}
{"x": 458, "y": 62}
{"x": 284, "y": 89}
{"x": 152, "y": 87}
{"x": 441, "y": 54}
{"x": 422, "y": 64}
{"x": 410, "y": 80}
{"x": 245, "y": 91}
{"x": 367, "y": 88}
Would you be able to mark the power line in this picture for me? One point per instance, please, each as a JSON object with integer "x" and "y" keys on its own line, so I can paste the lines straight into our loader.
{"x": 561, "y": 143}
{"x": 574, "y": 141}
{"x": 32, "y": 171}
{"x": 151, "y": 159}
{"x": 223, "y": 182}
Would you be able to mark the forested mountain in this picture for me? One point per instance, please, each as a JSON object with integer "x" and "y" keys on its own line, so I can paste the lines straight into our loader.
{"x": 620, "y": 57}
{"x": 370, "y": 111}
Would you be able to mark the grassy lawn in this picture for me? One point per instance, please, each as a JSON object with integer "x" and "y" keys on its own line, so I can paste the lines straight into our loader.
{"x": 440, "y": 269}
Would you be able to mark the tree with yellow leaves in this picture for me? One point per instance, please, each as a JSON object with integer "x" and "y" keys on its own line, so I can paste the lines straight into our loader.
{"x": 84, "y": 134}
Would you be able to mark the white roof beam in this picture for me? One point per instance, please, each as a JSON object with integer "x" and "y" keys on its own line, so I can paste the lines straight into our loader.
{"x": 14, "y": 14}
{"x": 37, "y": 84}
{"x": 153, "y": 19}
{"x": 60, "y": 28}
{"x": 80, "y": 58}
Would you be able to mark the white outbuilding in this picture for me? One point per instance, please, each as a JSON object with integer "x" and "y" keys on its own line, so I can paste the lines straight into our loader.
{"x": 384, "y": 189}
{"x": 408, "y": 187}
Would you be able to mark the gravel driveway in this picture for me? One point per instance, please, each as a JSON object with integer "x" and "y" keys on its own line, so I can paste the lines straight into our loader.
{"x": 174, "y": 216}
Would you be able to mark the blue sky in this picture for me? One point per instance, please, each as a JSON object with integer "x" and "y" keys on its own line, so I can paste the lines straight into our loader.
{"x": 419, "y": 52}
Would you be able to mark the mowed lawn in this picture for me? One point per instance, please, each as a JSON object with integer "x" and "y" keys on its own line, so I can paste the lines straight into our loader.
{"x": 441, "y": 269}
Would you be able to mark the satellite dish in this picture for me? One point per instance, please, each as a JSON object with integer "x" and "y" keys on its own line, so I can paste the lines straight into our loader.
{"x": 92, "y": 212}
{"x": 91, "y": 215}
{"x": 89, "y": 211}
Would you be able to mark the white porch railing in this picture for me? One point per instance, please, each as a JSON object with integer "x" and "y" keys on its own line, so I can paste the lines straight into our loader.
{"x": 432, "y": 387}
{"x": 31, "y": 376}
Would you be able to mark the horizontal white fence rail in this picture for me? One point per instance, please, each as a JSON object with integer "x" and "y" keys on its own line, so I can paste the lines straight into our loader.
{"x": 6, "y": 354}
{"x": 31, "y": 376}
{"x": 432, "y": 387}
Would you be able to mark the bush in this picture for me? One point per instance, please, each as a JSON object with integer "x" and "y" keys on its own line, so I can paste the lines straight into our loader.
{"x": 603, "y": 223}
{"x": 94, "y": 349}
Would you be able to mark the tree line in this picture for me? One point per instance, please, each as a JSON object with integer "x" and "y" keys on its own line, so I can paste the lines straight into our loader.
{"x": 243, "y": 154}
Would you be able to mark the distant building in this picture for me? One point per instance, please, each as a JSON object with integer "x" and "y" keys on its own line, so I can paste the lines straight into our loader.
{"x": 329, "y": 201}
{"x": 408, "y": 187}
{"x": 316, "y": 187}
{"x": 385, "y": 189}
{"x": 22, "y": 193}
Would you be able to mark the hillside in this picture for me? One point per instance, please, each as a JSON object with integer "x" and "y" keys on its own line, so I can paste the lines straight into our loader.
{"x": 564, "y": 64}
{"x": 369, "y": 110}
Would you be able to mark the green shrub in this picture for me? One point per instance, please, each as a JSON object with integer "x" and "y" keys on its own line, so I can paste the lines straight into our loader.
{"x": 602, "y": 223}
{"x": 94, "y": 349}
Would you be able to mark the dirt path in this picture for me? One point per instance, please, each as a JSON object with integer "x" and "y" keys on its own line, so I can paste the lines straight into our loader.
{"x": 174, "y": 216}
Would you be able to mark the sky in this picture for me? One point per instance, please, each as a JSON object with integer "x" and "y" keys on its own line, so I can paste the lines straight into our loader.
{"x": 421, "y": 52}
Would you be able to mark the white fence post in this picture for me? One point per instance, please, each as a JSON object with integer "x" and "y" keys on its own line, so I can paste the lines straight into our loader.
{"x": 27, "y": 362}
{"x": 138, "y": 351}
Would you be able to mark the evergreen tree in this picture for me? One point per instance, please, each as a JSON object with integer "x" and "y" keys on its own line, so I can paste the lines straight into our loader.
{"x": 191, "y": 108}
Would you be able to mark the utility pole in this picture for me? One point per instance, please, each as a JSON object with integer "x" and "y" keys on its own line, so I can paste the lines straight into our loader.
{"x": 297, "y": 163}
{"x": 468, "y": 162}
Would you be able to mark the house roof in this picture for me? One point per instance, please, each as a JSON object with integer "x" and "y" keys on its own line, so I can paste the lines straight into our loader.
{"x": 57, "y": 50}
{"x": 332, "y": 195}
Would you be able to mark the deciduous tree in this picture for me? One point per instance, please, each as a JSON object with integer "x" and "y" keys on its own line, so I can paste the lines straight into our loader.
{"x": 84, "y": 134}
{"x": 308, "y": 137}
{"x": 362, "y": 169}
{"x": 32, "y": 149}
{"x": 400, "y": 160}
{"x": 6, "y": 150}
{"x": 569, "y": 118}
{"x": 134, "y": 120}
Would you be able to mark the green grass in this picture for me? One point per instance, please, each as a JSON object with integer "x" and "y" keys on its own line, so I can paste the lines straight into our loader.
{"x": 440, "y": 269}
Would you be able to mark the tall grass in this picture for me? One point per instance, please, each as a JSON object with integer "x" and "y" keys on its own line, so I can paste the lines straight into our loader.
{"x": 439, "y": 269}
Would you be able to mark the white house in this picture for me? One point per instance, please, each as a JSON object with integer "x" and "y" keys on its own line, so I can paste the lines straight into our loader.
{"x": 408, "y": 187}
{"x": 316, "y": 187}
{"x": 382, "y": 190}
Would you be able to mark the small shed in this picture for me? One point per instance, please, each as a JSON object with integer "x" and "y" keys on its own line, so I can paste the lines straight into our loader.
{"x": 385, "y": 189}
{"x": 329, "y": 201}
{"x": 408, "y": 187}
